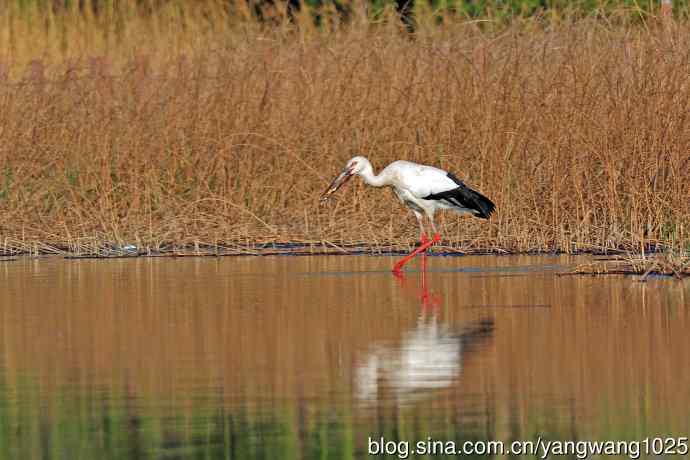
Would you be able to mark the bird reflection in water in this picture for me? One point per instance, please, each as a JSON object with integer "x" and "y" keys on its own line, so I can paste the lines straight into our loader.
{"x": 427, "y": 358}
{"x": 429, "y": 301}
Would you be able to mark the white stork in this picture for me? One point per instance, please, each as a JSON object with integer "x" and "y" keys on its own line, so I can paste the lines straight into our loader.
{"x": 423, "y": 189}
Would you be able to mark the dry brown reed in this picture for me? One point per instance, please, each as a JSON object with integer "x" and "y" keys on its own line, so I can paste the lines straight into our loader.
{"x": 672, "y": 264}
{"x": 578, "y": 130}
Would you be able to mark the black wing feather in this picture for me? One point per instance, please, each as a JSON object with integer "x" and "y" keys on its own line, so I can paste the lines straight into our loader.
{"x": 464, "y": 197}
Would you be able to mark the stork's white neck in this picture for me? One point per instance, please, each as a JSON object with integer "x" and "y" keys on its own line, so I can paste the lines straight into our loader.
{"x": 367, "y": 174}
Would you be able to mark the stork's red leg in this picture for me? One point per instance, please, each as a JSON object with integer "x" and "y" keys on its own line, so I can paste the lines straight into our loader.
{"x": 423, "y": 247}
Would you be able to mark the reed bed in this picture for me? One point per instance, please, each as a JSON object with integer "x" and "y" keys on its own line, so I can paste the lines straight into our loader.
{"x": 672, "y": 264}
{"x": 222, "y": 134}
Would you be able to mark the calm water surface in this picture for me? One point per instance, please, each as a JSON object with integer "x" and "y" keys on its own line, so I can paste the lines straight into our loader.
{"x": 308, "y": 357}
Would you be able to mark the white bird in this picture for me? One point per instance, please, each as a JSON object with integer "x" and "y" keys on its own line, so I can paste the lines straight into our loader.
{"x": 423, "y": 189}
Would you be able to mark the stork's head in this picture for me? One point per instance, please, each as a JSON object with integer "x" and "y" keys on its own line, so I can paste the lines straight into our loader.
{"x": 355, "y": 166}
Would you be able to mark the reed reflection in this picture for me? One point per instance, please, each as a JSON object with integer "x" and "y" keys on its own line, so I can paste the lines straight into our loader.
{"x": 307, "y": 357}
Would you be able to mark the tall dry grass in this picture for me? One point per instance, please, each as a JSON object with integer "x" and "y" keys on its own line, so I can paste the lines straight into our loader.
{"x": 578, "y": 130}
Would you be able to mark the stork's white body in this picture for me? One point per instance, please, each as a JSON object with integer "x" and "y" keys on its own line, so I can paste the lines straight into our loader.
{"x": 412, "y": 182}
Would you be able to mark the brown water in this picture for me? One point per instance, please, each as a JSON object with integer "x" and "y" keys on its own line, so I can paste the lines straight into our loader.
{"x": 308, "y": 357}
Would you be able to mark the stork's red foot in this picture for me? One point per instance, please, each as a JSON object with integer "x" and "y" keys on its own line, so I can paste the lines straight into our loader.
{"x": 426, "y": 244}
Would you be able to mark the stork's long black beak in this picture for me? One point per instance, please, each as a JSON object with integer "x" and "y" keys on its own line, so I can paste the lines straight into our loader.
{"x": 338, "y": 182}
